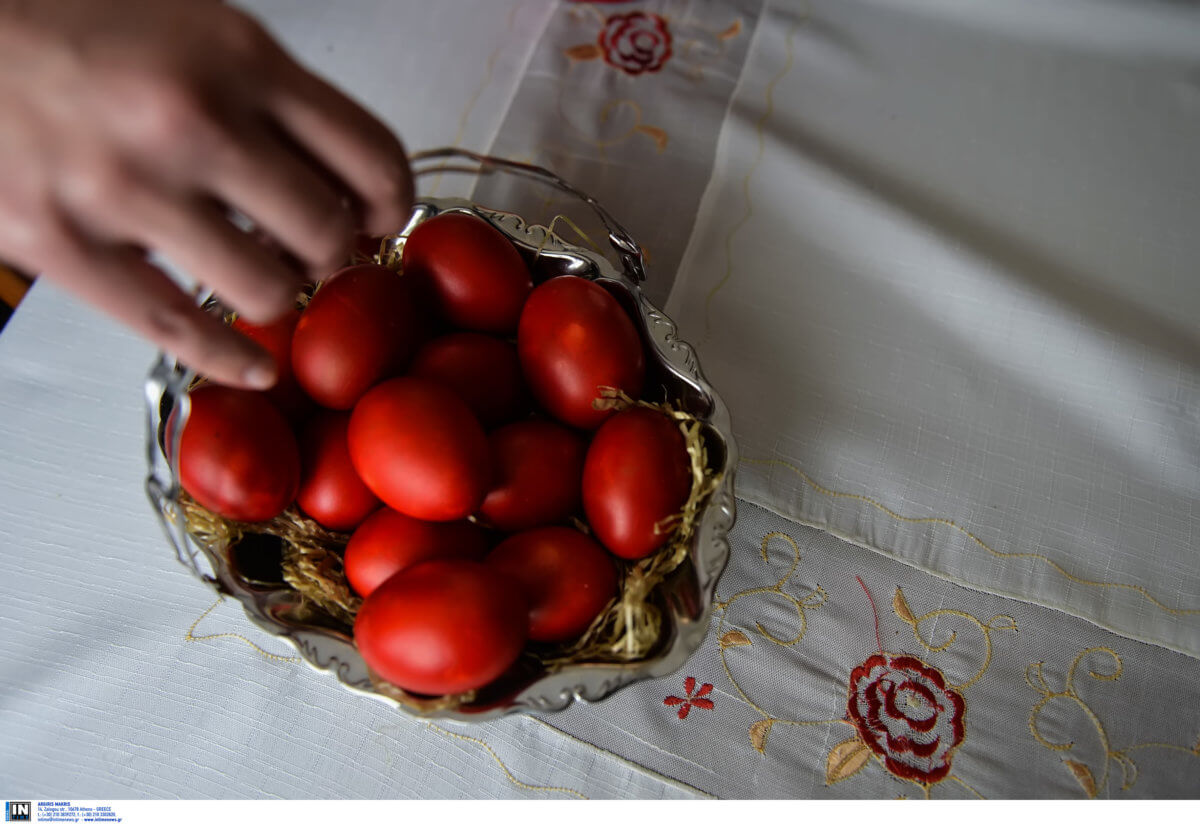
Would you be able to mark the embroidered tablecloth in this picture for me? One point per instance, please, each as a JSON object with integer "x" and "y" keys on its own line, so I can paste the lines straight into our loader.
{"x": 939, "y": 260}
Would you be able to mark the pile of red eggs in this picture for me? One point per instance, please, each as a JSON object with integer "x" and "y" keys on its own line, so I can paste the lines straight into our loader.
{"x": 409, "y": 402}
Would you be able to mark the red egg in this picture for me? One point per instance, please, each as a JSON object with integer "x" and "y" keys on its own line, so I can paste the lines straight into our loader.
{"x": 567, "y": 577}
{"x": 442, "y": 627}
{"x": 636, "y": 474}
{"x": 574, "y": 338}
{"x": 331, "y": 493}
{"x": 538, "y": 471}
{"x": 389, "y": 542}
{"x": 418, "y": 447}
{"x": 479, "y": 279}
{"x": 482, "y": 370}
{"x": 359, "y": 328}
{"x": 276, "y": 338}
{"x": 237, "y": 455}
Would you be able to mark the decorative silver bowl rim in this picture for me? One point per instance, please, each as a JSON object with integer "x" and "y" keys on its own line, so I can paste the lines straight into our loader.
{"x": 686, "y": 619}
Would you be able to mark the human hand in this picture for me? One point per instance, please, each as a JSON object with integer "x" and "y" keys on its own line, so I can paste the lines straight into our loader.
{"x": 136, "y": 125}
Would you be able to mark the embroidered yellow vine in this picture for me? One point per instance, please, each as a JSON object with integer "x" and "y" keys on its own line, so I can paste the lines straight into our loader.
{"x": 921, "y": 714}
{"x": 968, "y": 534}
{"x": 748, "y": 213}
{"x": 191, "y": 637}
{"x": 1084, "y": 774}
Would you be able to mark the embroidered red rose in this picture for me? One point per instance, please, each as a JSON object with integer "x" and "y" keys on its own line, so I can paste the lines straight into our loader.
{"x": 636, "y": 42}
{"x": 905, "y": 713}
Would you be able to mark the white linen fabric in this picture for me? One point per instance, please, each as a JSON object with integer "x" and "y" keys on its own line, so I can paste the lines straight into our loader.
{"x": 944, "y": 275}
{"x": 1047, "y": 706}
{"x": 627, "y": 105}
{"x": 103, "y": 695}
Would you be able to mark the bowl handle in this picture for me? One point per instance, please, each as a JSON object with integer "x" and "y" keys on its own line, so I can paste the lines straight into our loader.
{"x": 425, "y": 162}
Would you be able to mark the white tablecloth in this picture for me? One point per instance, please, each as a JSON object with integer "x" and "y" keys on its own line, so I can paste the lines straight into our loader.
{"x": 939, "y": 260}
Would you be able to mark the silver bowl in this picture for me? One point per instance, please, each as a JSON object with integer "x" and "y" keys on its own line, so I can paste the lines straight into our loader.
{"x": 673, "y": 373}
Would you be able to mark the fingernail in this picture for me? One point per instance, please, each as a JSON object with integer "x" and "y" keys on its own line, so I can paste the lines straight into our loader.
{"x": 260, "y": 376}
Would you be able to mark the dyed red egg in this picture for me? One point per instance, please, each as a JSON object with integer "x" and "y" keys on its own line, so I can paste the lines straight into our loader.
{"x": 573, "y": 339}
{"x": 538, "y": 473}
{"x": 442, "y": 627}
{"x": 636, "y": 475}
{"x": 420, "y": 449}
{"x": 479, "y": 279}
{"x": 389, "y": 542}
{"x": 359, "y": 328}
{"x": 481, "y": 369}
{"x": 567, "y": 577}
{"x": 330, "y": 492}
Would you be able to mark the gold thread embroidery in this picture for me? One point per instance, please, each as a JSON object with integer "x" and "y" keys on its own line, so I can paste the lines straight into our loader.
{"x": 761, "y": 729}
{"x": 759, "y": 129}
{"x": 735, "y": 638}
{"x": 721, "y": 37}
{"x": 846, "y": 759}
{"x": 659, "y": 135}
{"x": 901, "y": 608}
{"x": 507, "y": 772}
{"x": 812, "y": 601}
{"x": 190, "y": 636}
{"x": 851, "y": 755}
{"x": 1082, "y": 772}
{"x": 584, "y": 51}
{"x": 967, "y": 533}
{"x": 958, "y": 780}
{"x": 633, "y": 765}
{"x": 587, "y": 7}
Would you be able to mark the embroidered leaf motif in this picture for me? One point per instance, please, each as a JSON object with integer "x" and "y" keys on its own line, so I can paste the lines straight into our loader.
{"x": 735, "y": 638}
{"x": 705, "y": 689}
{"x": 703, "y": 703}
{"x": 845, "y": 760}
{"x": 758, "y": 733}
{"x": 584, "y": 51}
{"x": 659, "y": 135}
{"x": 900, "y": 607}
{"x": 689, "y": 684}
{"x": 1084, "y": 776}
{"x": 672, "y": 701}
{"x": 733, "y": 31}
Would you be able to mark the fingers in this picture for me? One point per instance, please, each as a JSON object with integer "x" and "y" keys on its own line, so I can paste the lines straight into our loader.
{"x": 122, "y": 283}
{"x": 196, "y": 235}
{"x": 264, "y": 178}
{"x": 350, "y": 142}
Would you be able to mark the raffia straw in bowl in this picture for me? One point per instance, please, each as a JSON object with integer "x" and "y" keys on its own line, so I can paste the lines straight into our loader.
{"x": 627, "y": 630}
